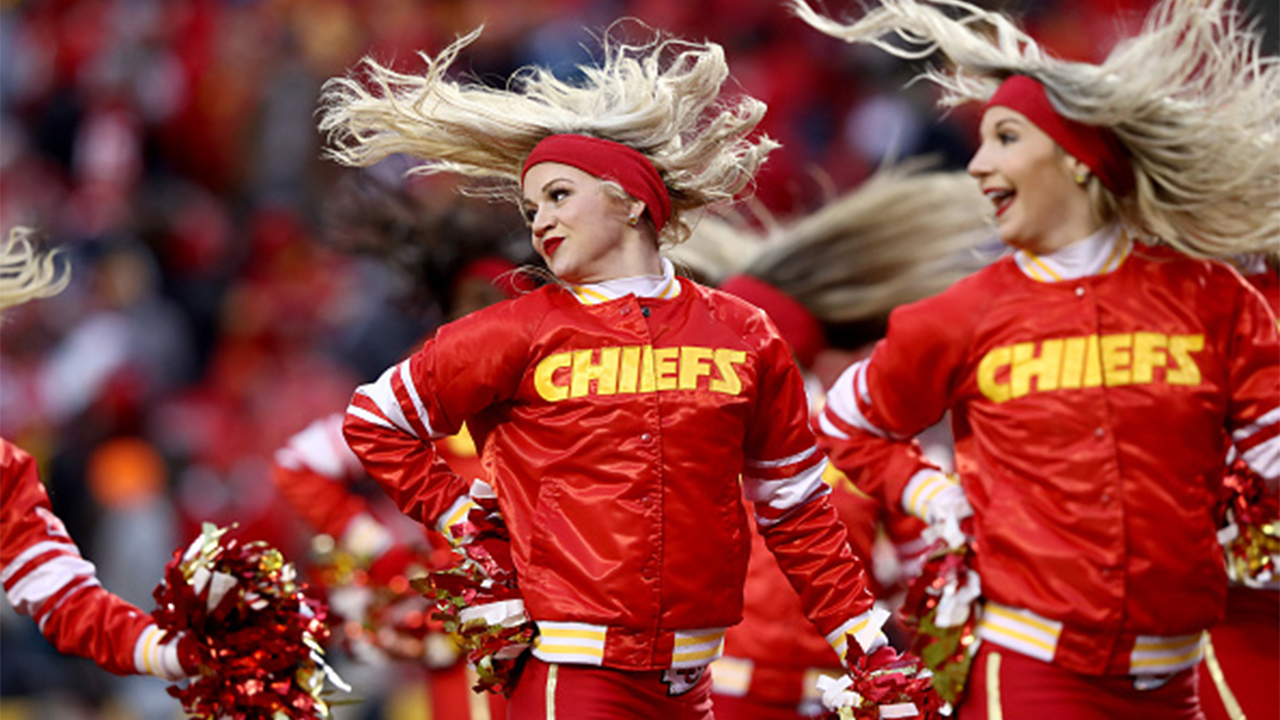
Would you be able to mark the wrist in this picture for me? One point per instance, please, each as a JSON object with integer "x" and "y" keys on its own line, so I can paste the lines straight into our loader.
{"x": 865, "y": 629}
{"x": 165, "y": 658}
{"x": 932, "y": 494}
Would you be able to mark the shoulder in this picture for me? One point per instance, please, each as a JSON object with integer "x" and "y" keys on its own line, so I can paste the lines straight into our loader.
{"x": 723, "y": 304}
{"x": 1164, "y": 259}
{"x": 517, "y": 316}
{"x": 1201, "y": 278}
{"x": 746, "y": 320}
{"x": 963, "y": 304}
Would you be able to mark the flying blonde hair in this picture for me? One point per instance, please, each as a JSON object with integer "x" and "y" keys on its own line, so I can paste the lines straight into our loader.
{"x": 1190, "y": 97}
{"x": 902, "y": 235}
{"x": 661, "y": 97}
{"x": 27, "y": 274}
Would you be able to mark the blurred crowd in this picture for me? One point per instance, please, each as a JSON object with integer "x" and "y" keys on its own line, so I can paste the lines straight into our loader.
{"x": 218, "y": 303}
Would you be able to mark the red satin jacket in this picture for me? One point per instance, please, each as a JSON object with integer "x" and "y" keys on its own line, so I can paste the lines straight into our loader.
{"x": 1092, "y": 417}
{"x": 615, "y": 434}
{"x": 46, "y": 578}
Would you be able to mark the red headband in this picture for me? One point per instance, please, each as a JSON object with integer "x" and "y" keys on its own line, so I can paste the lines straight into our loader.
{"x": 1096, "y": 147}
{"x": 798, "y": 326}
{"x": 608, "y": 160}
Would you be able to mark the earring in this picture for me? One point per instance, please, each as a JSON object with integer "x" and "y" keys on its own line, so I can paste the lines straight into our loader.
{"x": 1082, "y": 177}
{"x": 632, "y": 220}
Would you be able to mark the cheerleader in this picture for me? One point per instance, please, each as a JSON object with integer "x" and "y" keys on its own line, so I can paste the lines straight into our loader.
{"x": 1242, "y": 653}
{"x": 1098, "y": 373}
{"x": 44, "y": 575}
{"x": 615, "y": 408}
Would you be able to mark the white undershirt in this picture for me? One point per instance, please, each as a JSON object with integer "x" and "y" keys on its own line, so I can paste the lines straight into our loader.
{"x": 645, "y": 286}
{"x": 1098, "y": 254}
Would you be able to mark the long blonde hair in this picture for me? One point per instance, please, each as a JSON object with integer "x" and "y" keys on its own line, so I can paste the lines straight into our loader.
{"x": 27, "y": 273}
{"x": 1190, "y": 97}
{"x": 660, "y": 97}
{"x": 905, "y": 233}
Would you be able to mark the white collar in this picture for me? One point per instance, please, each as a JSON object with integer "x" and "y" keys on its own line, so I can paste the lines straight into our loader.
{"x": 646, "y": 286}
{"x": 1098, "y": 254}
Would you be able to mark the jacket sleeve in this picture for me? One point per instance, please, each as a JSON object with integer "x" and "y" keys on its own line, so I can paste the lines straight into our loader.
{"x": 879, "y": 404}
{"x": 46, "y": 578}
{"x": 393, "y": 423}
{"x": 793, "y": 509}
{"x": 1254, "y": 377}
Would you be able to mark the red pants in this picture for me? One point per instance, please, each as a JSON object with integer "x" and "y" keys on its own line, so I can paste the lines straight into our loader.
{"x": 583, "y": 692}
{"x": 452, "y": 698}
{"x": 1005, "y": 685}
{"x": 1242, "y": 669}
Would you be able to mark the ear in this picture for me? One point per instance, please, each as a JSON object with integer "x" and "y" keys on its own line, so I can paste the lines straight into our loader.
{"x": 635, "y": 208}
{"x": 1078, "y": 170}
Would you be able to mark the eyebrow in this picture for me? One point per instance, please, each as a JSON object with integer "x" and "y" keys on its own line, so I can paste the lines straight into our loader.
{"x": 543, "y": 190}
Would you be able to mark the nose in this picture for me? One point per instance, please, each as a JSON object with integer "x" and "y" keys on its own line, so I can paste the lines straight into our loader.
{"x": 542, "y": 222}
{"x": 979, "y": 165}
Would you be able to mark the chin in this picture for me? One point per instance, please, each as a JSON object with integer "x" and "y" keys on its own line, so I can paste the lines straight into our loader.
{"x": 1012, "y": 239}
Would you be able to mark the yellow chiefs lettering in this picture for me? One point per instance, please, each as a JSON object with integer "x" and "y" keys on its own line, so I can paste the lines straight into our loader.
{"x": 1138, "y": 358}
{"x": 638, "y": 369}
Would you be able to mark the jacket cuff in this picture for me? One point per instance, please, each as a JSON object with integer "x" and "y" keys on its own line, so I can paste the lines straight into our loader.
{"x": 153, "y": 657}
{"x": 865, "y": 629}
{"x": 929, "y": 493}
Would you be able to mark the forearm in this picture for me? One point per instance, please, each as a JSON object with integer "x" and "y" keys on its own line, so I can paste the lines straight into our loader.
{"x": 811, "y": 547}
{"x": 407, "y": 468}
{"x": 98, "y": 625}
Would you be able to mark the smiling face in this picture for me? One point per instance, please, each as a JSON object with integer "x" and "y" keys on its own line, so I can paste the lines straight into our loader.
{"x": 581, "y": 230}
{"x": 1039, "y": 205}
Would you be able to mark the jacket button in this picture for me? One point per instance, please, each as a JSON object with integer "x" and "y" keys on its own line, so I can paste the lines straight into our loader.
{"x": 625, "y": 310}
{"x": 645, "y": 311}
{"x": 646, "y": 438}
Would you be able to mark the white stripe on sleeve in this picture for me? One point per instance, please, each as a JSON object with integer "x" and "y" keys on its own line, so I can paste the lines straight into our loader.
{"x": 418, "y": 407}
{"x": 383, "y": 395}
{"x": 786, "y": 493}
{"x": 16, "y": 565}
{"x": 841, "y": 401}
{"x": 1264, "y": 457}
{"x": 47, "y": 579}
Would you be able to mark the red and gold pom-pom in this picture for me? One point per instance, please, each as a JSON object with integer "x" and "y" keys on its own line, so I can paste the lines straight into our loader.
{"x": 1252, "y": 539}
{"x": 257, "y": 635}
{"x": 939, "y": 612}
{"x": 386, "y": 618}
{"x": 886, "y": 684}
{"x": 483, "y": 577}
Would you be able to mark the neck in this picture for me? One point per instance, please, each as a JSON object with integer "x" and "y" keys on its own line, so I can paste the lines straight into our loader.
{"x": 660, "y": 284}
{"x": 1063, "y": 237}
{"x": 637, "y": 256}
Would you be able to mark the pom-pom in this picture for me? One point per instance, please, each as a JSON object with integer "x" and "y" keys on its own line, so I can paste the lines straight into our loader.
{"x": 883, "y": 684}
{"x": 940, "y": 612}
{"x": 374, "y": 610}
{"x": 256, "y": 635}
{"x": 1251, "y": 538}
{"x": 478, "y": 599}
